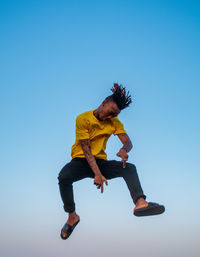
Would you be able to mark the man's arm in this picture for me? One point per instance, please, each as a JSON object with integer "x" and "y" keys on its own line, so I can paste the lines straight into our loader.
{"x": 85, "y": 144}
{"x": 99, "y": 178}
{"x": 127, "y": 146}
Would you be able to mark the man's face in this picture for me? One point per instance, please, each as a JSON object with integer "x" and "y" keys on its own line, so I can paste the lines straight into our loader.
{"x": 108, "y": 110}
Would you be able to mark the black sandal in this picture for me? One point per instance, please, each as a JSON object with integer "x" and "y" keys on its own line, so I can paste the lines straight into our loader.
{"x": 151, "y": 209}
{"x": 68, "y": 229}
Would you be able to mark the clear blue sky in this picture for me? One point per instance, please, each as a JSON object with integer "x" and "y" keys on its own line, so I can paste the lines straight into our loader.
{"x": 60, "y": 58}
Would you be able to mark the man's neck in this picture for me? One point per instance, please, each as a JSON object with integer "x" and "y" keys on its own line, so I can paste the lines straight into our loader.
{"x": 96, "y": 114}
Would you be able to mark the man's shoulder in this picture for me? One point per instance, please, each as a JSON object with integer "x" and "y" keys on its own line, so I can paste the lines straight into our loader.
{"x": 84, "y": 115}
{"x": 115, "y": 120}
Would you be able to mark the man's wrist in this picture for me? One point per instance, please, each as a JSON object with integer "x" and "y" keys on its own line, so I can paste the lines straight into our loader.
{"x": 124, "y": 148}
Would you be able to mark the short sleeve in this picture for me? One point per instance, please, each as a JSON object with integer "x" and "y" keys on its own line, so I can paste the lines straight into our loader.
{"x": 119, "y": 127}
{"x": 82, "y": 131}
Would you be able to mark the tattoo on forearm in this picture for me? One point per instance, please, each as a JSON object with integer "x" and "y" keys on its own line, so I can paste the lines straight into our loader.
{"x": 127, "y": 145}
{"x": 85, "y": 144}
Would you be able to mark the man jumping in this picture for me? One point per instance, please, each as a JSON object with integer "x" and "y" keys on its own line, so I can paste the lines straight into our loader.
{"x": 93, "y": 129}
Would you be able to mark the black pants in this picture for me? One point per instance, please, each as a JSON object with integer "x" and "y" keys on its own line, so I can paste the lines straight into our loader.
{"x": 79, "y": 168}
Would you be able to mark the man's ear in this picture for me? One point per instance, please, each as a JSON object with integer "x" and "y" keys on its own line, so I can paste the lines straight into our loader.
{"x": 104, "y": 102}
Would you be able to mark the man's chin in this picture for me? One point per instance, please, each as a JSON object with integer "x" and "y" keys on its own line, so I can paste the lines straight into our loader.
{"x": 100, "y": 119}
{"x": 103, "y": 119}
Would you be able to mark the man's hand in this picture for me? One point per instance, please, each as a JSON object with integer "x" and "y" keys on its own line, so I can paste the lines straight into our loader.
{"x": 127, "y": 146}
{"x": 99, "y": 180}
{"x": 123, "y": 154}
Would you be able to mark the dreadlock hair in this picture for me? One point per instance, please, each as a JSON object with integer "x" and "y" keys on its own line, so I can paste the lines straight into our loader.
{"x": 119, "y": 96}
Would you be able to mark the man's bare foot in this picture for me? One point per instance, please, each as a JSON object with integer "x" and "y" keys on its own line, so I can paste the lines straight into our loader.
{"x": 72, "y": 219}
{"x": 141, "y": 203}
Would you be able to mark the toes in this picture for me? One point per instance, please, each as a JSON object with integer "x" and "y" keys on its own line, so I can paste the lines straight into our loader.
{"x": 64, "y": 234}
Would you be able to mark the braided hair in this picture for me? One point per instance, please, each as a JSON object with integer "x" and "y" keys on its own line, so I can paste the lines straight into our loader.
{"x": 120, "y": 96}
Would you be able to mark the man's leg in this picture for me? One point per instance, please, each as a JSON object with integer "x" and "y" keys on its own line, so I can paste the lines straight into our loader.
{"x": 113, "y": 169}
{"x": 75, "y": 170}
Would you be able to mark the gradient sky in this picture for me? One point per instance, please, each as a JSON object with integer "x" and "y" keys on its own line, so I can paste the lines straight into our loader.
{"x": 60, "y": 58}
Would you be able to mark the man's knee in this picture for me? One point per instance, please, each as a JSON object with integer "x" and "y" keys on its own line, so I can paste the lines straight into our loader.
{"x": 131, "y": 167}
{"x": 64, "y": 176}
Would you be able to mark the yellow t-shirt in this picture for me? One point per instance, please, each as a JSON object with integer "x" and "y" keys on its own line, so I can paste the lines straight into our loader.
{"x": 89, "y": 127}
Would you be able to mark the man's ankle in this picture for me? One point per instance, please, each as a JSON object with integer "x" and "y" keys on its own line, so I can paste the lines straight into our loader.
{"x": 72, "y": 213}
{"x": 141, "y": 201}
{"x": 72, "y": 218}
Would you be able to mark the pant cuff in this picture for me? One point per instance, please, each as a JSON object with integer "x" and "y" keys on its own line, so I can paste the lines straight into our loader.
{"x": 143, "y": 196}
{"x": 69, "y": 210}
